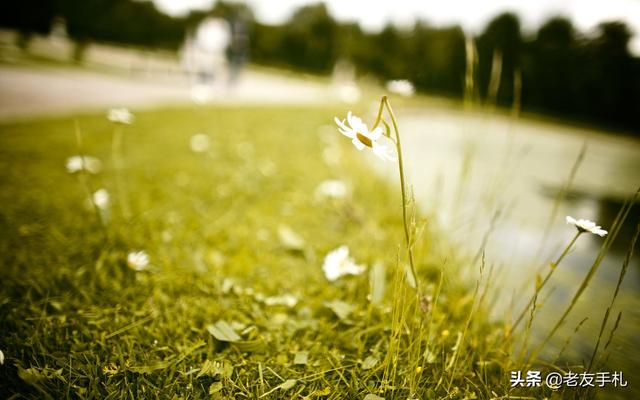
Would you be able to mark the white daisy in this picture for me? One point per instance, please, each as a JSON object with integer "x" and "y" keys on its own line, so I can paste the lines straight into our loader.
{"x": 101, "y": 199}
{"x": 338, "y": 263}
{"x": 402, "y": 87}
{"x": 361, "y": 137}
{"x": 199, "y": 143}
{"x": 78, "y": 163}
{"x": 584, "y": 225}
{"x": 138, "y": 260}
{"x": 288, "y": 300}
{"x": 120, "y": 116}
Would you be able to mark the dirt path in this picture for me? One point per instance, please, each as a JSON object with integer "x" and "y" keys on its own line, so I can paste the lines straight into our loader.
{"x": 27, "y": 91}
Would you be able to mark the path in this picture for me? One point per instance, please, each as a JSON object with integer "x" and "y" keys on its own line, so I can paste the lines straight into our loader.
{"x": 42, "y": 90}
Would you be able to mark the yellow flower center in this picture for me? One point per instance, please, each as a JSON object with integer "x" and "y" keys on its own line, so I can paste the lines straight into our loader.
{"x": 365, "y": 140}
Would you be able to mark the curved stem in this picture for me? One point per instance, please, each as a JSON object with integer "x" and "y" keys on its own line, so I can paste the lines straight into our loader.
{"x": 86, "y": 184}
{"x": 379, "y": 116}
{"x": 407, "y": 234}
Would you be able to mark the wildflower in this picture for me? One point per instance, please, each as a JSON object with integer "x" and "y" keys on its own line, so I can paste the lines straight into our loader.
{"x": 288, "y": 300}
{"x": 338, "y": 263}
{"x": 333, "y": 188}
{"x": 199, "y": 143}
{"x": 78, "y": 163}
{"x": 361, "y": 137}
{"x": 120, "y": 116}
{"x": 584, "y": 225}
{"x": 402, "y": 87}
{"x": 138, "y": 260}
{"x": 290, "y": 239}
{"x": 101, "y": 199}
{"x": 1, "y": 357}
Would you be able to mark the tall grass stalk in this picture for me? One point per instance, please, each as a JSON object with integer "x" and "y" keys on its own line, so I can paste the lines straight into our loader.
{"x": 517, "y": 93}
{"x": 565, "y": 346}
{"x": 623, "y": 272}
{"x": 384, "y": 104}
{"x": 543, "y": 282}
{"x": 561, "y": 196}
{"x": 475, "y": 304}
{"x": 615, "y": 228}
{"x": 471, "y": 56}
{"x": 117, "y": 157}
{"x": 494, "y": 79}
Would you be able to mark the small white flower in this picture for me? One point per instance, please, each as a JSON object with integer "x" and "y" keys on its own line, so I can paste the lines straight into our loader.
{"x": 402, "y": 87}
{"x": 120, "y": 116}
{"x": 138, "y": 260}
{"x": 290, "y": 239}
{"x": 1, "y": 357}
{"x": 101, "y": 199}
{"x": 78, "y": 163}
{"x": 338, "y": 263}
{"x": 333, "y": 188}
{"x": 199, "y": 143}
{"x": 584, "y": 225}
{"x": 287, "y": 300}
{"x": 361, "y": 137}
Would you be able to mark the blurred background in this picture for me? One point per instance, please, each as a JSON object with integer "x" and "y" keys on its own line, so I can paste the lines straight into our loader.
{"x": 499, "y": 101}
{"x": 572, "y": 59}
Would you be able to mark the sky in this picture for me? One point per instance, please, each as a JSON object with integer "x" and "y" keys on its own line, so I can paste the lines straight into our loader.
{"x": 472, "y": 15}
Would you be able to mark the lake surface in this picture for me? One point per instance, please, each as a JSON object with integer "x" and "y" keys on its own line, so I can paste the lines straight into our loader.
{"x": 470, "y": 168}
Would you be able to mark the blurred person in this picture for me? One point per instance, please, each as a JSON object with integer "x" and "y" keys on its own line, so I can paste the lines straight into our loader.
{"x": 344, "y": 82}
{"x": 238, "y": 51}
{"x": 204, "y": 52}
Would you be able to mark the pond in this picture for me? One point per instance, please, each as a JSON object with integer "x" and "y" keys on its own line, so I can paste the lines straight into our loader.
{"x": 494, "y": 178}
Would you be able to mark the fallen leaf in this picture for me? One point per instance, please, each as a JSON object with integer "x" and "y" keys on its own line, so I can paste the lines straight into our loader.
{"x": 369, "y": 362}
{"x": 301, "y": 358}
{"x": 288, "y": 384}
{"x": 215, "y": 387}
{"x": 222, "y": 331}
{"x": 341, "y": 308}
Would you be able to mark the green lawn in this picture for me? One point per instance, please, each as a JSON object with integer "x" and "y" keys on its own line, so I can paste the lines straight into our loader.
{"x": 227, "y": 232}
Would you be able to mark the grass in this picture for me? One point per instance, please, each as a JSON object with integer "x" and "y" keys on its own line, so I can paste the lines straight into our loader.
{"x": 229, "y": 232}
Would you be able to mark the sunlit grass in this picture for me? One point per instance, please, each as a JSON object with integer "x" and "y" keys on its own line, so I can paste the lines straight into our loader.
{"x": 234, "y": 232}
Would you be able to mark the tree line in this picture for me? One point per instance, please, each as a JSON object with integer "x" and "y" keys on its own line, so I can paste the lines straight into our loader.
{"x": 556, "y": 70}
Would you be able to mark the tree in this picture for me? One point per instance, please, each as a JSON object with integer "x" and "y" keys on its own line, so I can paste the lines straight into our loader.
{"x": 501, "y": 36}
{"x": 28, "y": 17}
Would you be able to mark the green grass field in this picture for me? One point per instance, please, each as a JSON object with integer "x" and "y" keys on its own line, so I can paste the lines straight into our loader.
{"x": 229, "y": 232}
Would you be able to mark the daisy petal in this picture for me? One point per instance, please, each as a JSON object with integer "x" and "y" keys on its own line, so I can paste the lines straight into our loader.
{"x": 340, "y": 123}
{"x": 359, "y": 145}
{"x": 348, "y": 133}
{"x": 384, "y": 152}
{"x": 356, "y": 123}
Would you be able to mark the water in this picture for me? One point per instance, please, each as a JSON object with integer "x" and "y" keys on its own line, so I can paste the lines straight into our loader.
{"x": 475, "y": 168}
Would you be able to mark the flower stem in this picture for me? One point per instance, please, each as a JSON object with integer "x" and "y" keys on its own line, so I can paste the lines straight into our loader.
{"x": 380, "y": 110}
{"x": 546, "y": 278}
{"x": 86, "y": 185}
{"x": 407, "y": 232}
{"x": 116, "y": 154}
